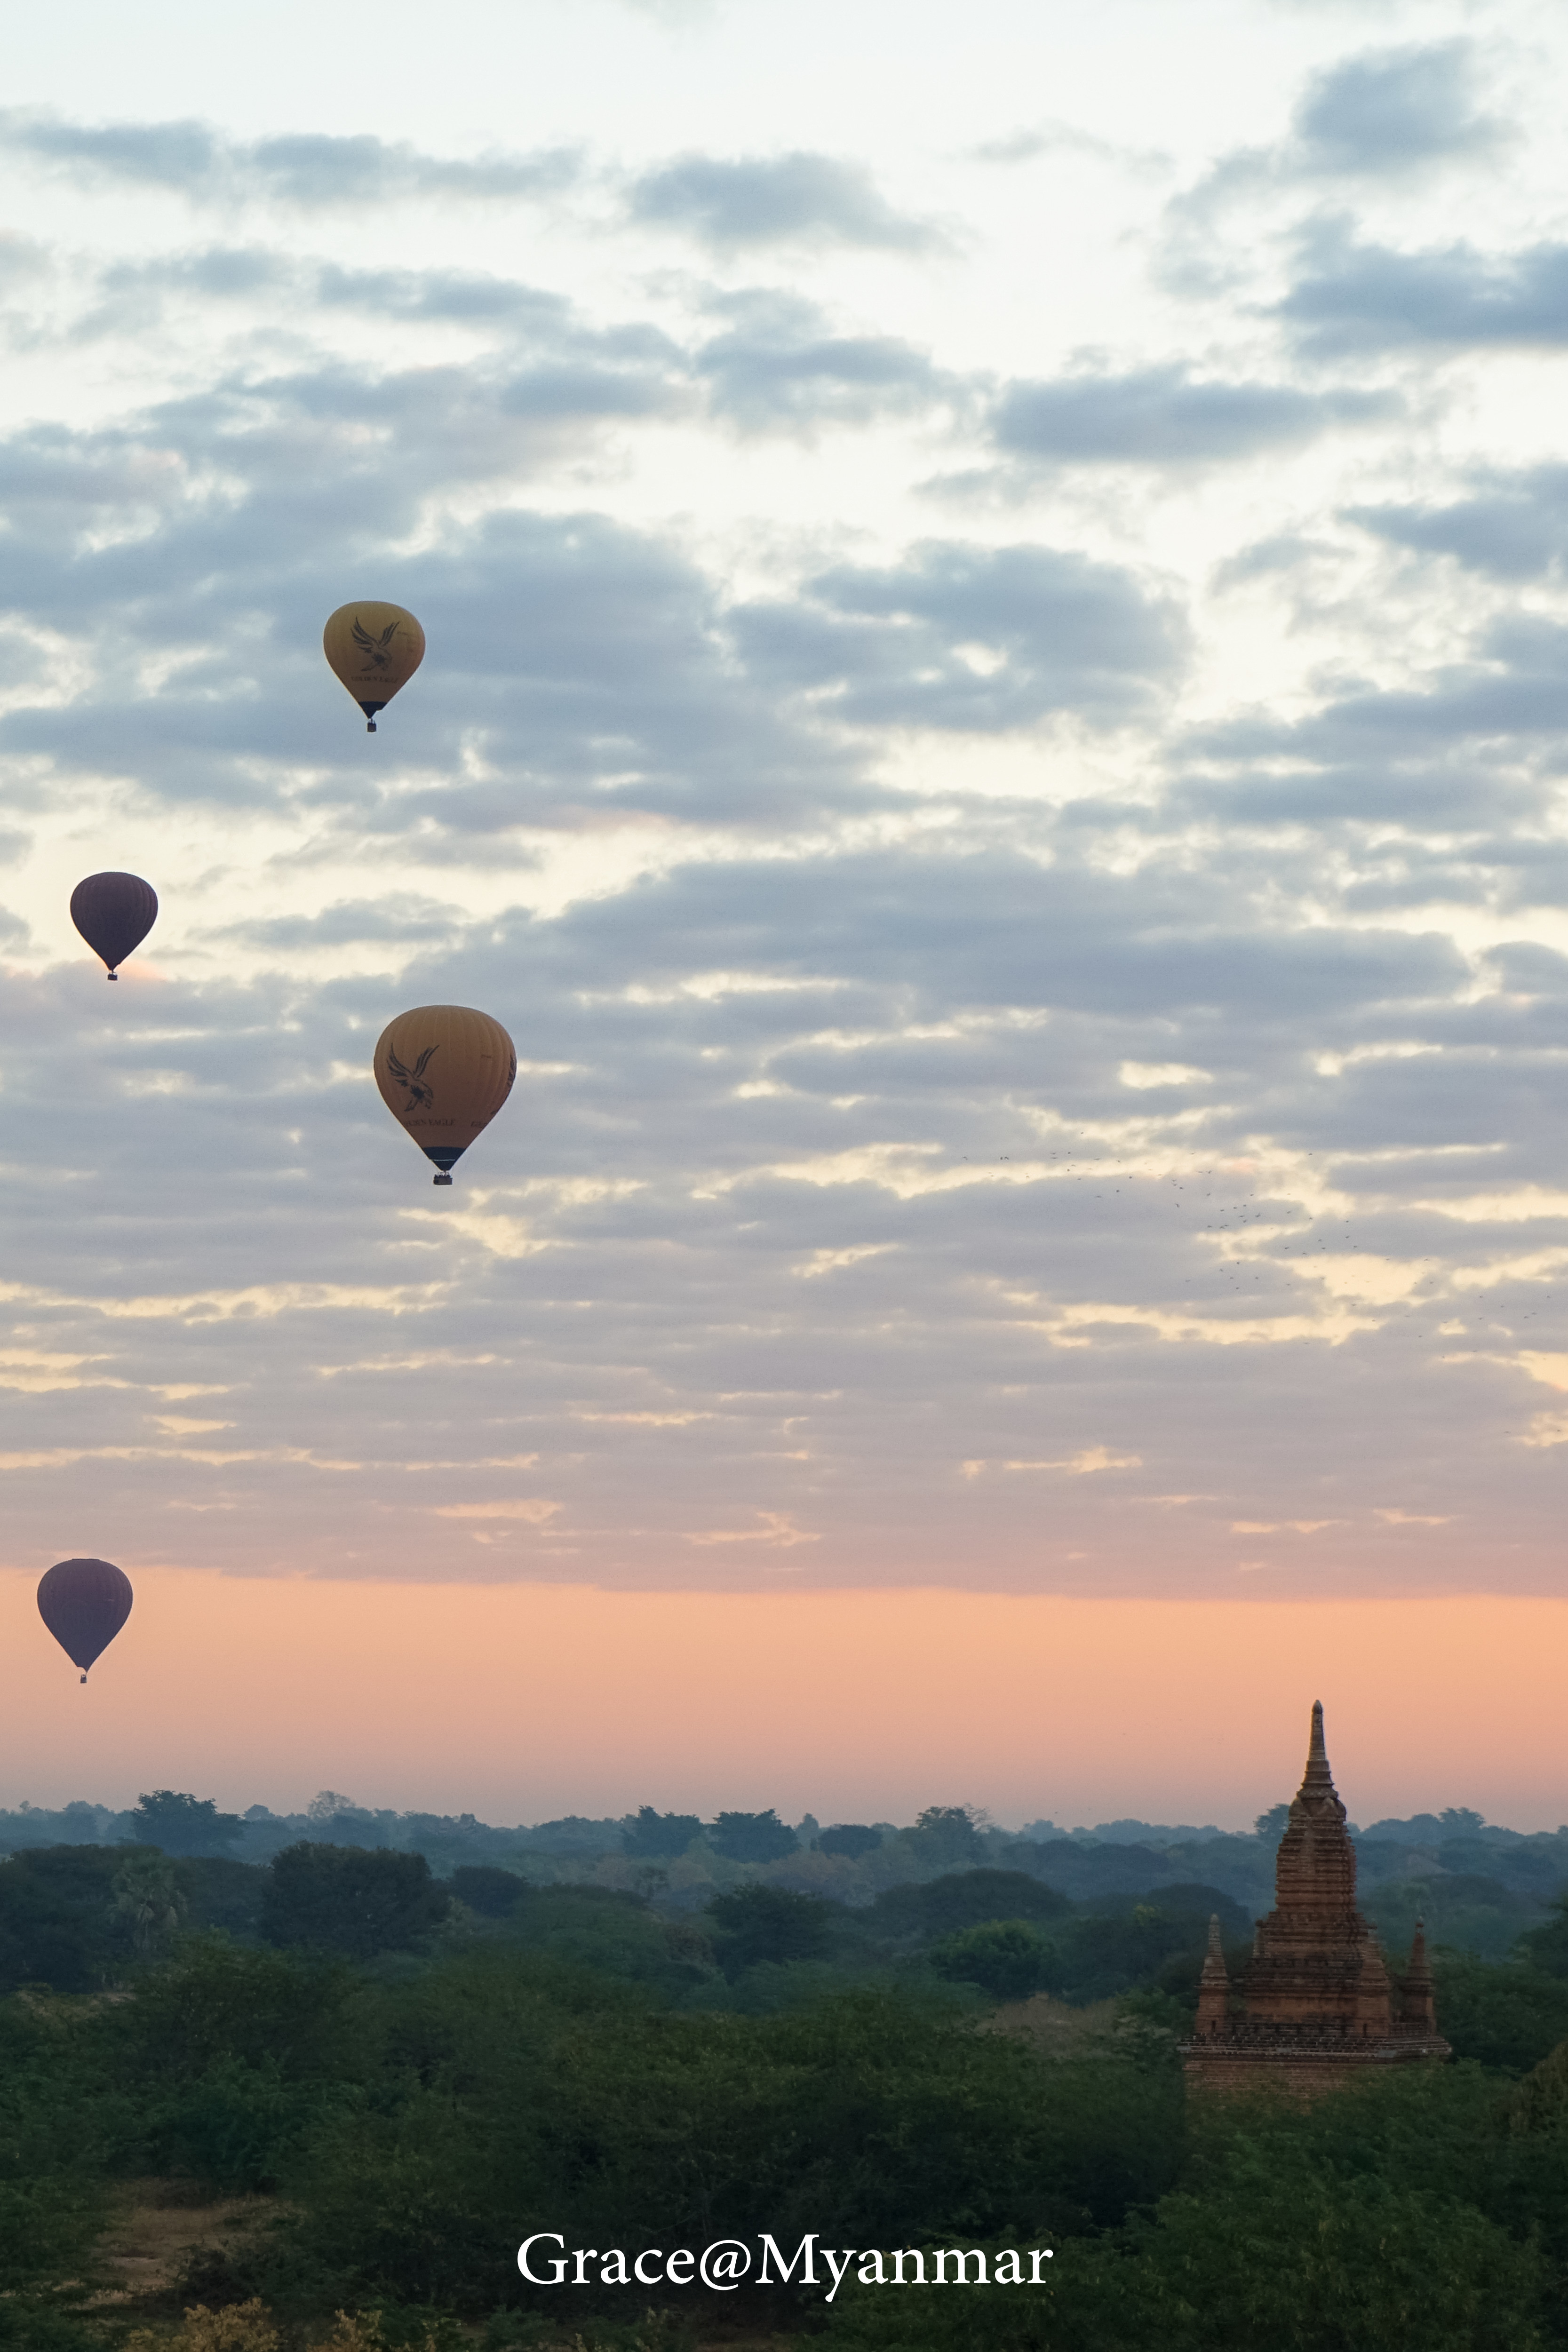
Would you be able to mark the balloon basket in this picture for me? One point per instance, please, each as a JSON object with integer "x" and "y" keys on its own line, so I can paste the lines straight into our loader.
{"x": 440, "y": 1179}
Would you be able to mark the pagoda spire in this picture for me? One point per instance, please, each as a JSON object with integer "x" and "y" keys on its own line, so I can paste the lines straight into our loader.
{"x": 1317, "y": 1775}
{"x": 1416, "y": 1984}
{"x": 1214, "y": 1984}
{"x": 1317, "y": 1958}
{"x": 1316, "y": 2001}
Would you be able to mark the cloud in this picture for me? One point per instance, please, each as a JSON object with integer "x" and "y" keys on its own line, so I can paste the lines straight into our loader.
{"x": 777, "y": 1528}
{"x": 1351, "y": 296}
{"x": 779, "y": 363}
{"x": 307, "y": 169}
{"x": 533, "y": 1509}
{"x": 1086, "y": 1465}
{"x": 1391, "y": 112}
{"x": 1514, "y": 526}
{"x": 1404, "y": 746}
{"x": 1164, "y": 416}
{"x": 797, "y": 199}
{"x": 961, "y": 638}
{"x": 1143, "y": 1075}
{"x": 1384, "y": 120}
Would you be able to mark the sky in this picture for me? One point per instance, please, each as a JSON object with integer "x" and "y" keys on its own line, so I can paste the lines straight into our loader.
{"x": 994, "y": 730}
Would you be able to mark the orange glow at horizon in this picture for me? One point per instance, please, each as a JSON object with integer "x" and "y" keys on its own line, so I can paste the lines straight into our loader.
{"x": 520, "y": 1703}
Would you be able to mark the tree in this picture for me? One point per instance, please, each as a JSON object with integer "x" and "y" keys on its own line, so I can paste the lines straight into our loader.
{"x": 1509, "y": 2017}
{"x": 492, "y": 1892}
{"x": 964, "y": 1898}
{"x": 752, "y": 1837}
{"x": 768, "y": 1923}
{"x": 218, "y": 2004}
{"x": 147, "y": 1903}
{"x": 55, "y": 1924}
{"x": 1131, "y": 1943}
{"x": 180, "y": 1823}
{"x": 355, "y": 1900}
{"x": 850, "y": 1839}
{"x": 326, "y": 1803}
{"x": 1284, "y": 2253}
{"x": 946, "y": 1838}
{"x": 1006, "y": 1958}
{"x": 1546, "y": 1947}
{"x": 1271, "y": 1826}
{"x": 652, "y": 1836}
{"x": 1540, "y": 2102}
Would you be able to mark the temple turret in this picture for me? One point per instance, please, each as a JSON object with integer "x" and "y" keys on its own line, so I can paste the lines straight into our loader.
{"x": 1316, "y": 1994}
{"x": 1418, "y": 2006}
{"x": 1317, "y": 1958}
{"x": 1214, "y": 1986}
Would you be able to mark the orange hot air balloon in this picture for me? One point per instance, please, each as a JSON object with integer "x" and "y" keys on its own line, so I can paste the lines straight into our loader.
{"x": 444, "y": 1072}
{"x": 373, "y": 649}
{"x": 84, "y": 1603}
{"x": 114, "y": 913}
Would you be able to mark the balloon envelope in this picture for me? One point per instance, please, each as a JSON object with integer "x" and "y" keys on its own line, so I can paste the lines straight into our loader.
{"x": 84, "y": 1603}
{"x": 444, "y": 1072}
{"x": 373, "y": 649}
{"x": 114, "y": 913}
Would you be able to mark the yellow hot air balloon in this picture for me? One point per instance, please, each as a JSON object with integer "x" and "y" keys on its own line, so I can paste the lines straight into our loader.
{"x": 444, "y": 1072}
{"x": 373, "y": 649}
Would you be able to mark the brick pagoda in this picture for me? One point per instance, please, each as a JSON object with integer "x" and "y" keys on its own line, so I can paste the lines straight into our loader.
{"x": 1318, "y": 2003}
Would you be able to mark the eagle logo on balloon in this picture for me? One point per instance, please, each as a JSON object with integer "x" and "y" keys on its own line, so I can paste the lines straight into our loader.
{"x": 376, "y": 646}
{"x": 420, "y": 1096}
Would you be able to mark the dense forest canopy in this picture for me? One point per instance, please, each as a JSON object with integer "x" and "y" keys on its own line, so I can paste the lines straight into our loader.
{"x": 368, "y": 2070}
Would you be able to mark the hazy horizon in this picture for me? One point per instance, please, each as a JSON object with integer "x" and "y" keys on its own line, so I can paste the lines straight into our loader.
{"x": 510, "y": 1701}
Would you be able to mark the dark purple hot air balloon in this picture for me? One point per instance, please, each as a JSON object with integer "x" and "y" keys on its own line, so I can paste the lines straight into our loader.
{"x": 84, "y": 1603}
{"x": 114, "y": 913}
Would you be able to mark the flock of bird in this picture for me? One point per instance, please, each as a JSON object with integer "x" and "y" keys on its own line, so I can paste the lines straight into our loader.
{"x": 444, "y": 1070}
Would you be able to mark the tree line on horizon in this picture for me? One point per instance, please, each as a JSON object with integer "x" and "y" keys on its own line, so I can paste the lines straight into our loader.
{"x": 1479, "y": 1888}
{"x": 646, "y": 1831}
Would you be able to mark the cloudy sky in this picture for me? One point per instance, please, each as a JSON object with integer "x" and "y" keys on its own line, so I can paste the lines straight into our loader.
{"x": 994, "y": 729}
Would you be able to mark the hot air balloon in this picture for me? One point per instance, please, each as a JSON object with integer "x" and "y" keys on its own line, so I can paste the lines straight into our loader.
{"x": 444, "y": 1072}
{"x": 373, "y": 649}
{"x": 84, "y": 1603}
{"x": 114, "y": 913}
